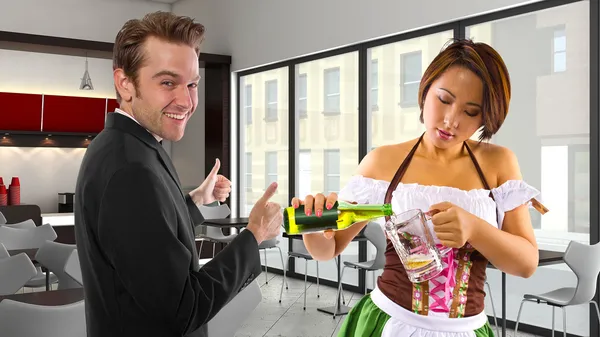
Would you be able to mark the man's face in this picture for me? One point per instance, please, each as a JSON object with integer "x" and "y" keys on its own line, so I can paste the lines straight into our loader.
{"x": 166, "y": 94}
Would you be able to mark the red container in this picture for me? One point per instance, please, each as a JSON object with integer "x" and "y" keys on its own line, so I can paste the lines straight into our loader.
{"x": 3, "y": 195}
{"x": 14, "y": 192}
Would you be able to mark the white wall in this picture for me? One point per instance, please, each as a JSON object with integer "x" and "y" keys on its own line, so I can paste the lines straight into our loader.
{"x": 44, "y": 172}
{"x": 261, "y": 32}
{"x": 97, "y": 20}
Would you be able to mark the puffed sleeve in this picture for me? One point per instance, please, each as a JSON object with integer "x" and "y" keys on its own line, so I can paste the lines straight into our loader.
{"x": 512, "y": 194}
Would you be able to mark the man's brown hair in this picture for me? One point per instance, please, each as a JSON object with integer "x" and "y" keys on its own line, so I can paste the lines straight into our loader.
{"x": 128, "y": 51}
{"x": 488, "y": 65}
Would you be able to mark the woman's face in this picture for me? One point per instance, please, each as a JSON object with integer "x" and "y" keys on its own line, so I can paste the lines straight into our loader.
{"x": 453, "y": 107}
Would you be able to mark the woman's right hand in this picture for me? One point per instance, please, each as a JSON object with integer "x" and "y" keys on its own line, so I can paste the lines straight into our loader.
{"x": 316, "y": 204}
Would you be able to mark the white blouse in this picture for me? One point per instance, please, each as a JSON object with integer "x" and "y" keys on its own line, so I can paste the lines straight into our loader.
{"x": 508, "y": 196}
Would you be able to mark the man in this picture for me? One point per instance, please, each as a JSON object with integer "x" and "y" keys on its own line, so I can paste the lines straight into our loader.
{"x": 134, "y": 226}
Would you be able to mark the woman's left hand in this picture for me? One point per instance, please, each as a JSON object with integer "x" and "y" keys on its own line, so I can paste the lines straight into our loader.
{"x": 453, "y": 225}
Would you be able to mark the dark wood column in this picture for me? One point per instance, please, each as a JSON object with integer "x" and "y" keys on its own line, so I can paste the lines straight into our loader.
{"x": 217, "y": 121}
{"x": 217, "y": 118}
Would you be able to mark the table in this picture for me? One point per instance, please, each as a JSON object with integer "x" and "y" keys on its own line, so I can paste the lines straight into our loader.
{"x": 48, "y": 298}
{"x": 546, "y": 258}
{"x": 226, "y": 222}
{"x": 30, "y": 252}
{"x": 338, "y": 309}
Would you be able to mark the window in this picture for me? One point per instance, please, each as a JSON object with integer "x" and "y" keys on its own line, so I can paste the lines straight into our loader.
{"x": 550, "y": 137}
{"x": 332, "y": 171}
{"x": 579, "y": 188}
{"x": 248, "y": 181}
{"x": 332, "y": 90}
{"x": 560, "y": 50}
{"x": 270, "y": 168}
{"x": 410, "y": 77}
{"x": 261, "y": 137}
{"x": 271, "y": 100}
{"x": 304, "y": 174}
{"x": 555, "y": 158}
{"x": 374, "y": 85}
{"x": 248, "y": 103}
{"x": 263, "y": 145}
{"x": 302, "y": 96}
{"x": 323, "y": 132}
{"x": 397, "y": 123}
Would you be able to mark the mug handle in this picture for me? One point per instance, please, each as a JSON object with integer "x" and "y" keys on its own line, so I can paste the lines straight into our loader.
{"x": 428, "y": 215}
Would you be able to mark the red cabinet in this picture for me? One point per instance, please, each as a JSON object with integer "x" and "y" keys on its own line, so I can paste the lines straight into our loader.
{"x": 53, "y": 113}
{"x": 73, "y": 114}
{"x": 111, "y": 105}
{"x": 20, "y": 112}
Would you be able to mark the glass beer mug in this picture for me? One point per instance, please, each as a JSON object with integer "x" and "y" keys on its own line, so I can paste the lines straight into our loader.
{"x": 413, "y": 241}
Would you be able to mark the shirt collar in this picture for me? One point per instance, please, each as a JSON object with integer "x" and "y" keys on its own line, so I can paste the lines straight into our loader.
{"x": 119, "y": 111}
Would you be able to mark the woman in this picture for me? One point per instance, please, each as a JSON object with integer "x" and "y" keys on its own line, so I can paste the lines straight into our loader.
{"x": 477, "y": 186}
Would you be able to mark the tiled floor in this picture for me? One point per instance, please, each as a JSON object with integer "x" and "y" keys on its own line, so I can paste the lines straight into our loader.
{"x": 288, "y": 319}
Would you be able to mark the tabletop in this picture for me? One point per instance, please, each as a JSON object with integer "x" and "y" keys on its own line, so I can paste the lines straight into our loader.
{"x": 226, "y": 222}
{"x": 48, "y": 298}
{"x": 550, "y": 257}
{"x": 29, "y": 252}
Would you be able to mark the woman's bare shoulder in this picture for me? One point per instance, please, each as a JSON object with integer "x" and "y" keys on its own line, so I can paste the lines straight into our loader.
{"x": 497, "y": 159}
{"x": 382, "y": 162}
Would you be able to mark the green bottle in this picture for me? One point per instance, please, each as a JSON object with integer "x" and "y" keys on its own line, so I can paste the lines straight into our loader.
{"x": 341, "y": 216}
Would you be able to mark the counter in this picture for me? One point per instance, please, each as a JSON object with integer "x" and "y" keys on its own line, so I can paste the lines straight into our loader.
{"x": 58, "y": 219}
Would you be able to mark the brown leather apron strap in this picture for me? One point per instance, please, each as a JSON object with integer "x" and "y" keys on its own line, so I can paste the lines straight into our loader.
{"x": 400, "y": 173}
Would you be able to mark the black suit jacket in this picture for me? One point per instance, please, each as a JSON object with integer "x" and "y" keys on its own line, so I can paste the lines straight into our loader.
{"x": 134, "y": 229}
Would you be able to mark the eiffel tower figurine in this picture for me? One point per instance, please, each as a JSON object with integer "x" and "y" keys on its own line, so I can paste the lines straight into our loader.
{"x": 86, "y": 81}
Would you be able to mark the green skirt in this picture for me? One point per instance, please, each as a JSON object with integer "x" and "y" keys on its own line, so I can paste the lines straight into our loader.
{"x": 366, "y": 319}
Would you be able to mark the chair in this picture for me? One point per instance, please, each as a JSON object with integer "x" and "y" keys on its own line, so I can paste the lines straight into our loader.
{"x": 15, "y": 271}
{"x": 270, "y": 244}
{"x": 301, "y": 255}
{"x": 493, "y": 307}
{"x": 3, "y": 252}
{"x": 231, "y": 317}
{"x": 26, "y": 238}
{"x": 584, "y": 261}
{"x": 376, "y": 236}
{"x": 214, "y": 234}
{"x": 19, "y": 319}
{"x": 2, "y": 219}
{"x": 29, "y": 238}
{"x": 54, "y": 256}
{"x": 73, "y": 268}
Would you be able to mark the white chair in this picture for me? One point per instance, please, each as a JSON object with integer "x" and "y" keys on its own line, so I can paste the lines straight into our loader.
{"x": 19, "y": 319}
{"x": 584, "y": 261}
{"x": 54, "y": 256}
{"x": 26, "y": 238}
{"x": 270, "y": 244}
{"x": 3, "y": 252}
{"x": 489, "y": 293}
{"x": 210, "y": 233}
{"x": 231, "y": 317}
{"x": 29, "y": 238}
{"x": 73, "y": 268}
{"x": 15, "y": 271}
{"x": 374, "y": 234}
{"x": 307, "y": 257}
